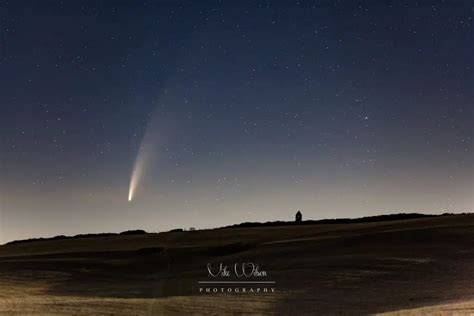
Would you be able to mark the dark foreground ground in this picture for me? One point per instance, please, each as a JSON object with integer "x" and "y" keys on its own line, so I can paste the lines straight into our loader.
{"x": 408, "y": 267}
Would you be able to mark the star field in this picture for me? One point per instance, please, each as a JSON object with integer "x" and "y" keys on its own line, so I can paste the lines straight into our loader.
{"x": 258, "y": 109}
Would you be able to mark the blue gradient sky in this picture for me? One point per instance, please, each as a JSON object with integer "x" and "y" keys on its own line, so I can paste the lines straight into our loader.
{"x": 256, "y": 109}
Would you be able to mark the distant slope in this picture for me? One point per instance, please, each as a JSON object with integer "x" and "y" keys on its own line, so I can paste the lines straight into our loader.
{"x": 367, "y": 219}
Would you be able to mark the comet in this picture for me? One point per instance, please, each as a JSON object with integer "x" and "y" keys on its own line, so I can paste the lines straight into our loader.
{"x": 137, "y": 174}
{"x": 146, "y": 153}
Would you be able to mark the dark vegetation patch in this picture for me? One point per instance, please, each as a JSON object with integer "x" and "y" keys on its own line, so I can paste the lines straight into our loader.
{"x": 230, "y": 249}
{"x": 61, "y": 237}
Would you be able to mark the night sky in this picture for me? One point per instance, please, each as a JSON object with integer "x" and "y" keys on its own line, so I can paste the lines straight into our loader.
{"x": 242, "y": 111}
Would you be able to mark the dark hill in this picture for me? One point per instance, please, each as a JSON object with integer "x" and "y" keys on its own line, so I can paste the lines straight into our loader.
{"x": 367, "y": 219}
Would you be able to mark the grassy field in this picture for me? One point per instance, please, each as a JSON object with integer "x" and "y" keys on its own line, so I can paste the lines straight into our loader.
{"x": 403, "y": 267}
